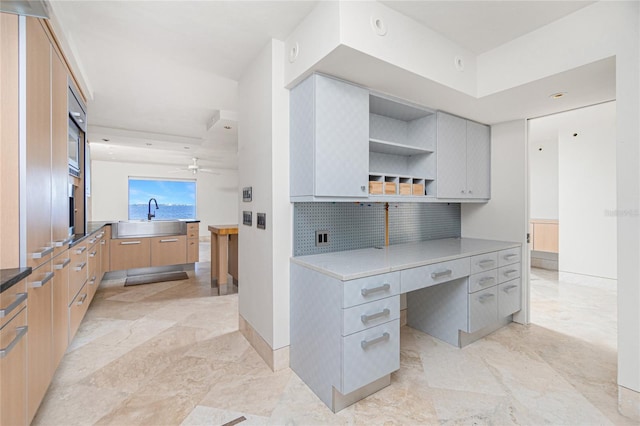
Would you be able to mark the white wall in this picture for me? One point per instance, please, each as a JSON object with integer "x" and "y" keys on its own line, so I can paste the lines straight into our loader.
{"x": 263, "y": 147}
{"x": 587, "y": 187}
{"x": 216, "y": 198}
{"x": 543, "y": 178}
{"x": 505, "y": 216}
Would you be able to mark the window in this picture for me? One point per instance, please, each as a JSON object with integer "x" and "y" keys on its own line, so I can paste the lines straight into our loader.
{"x": 176, "y": 198}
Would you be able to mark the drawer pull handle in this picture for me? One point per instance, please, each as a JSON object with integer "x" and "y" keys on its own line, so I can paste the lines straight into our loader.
{"x": 43, "y": 281}
{"x": 510, "y": 272}
{"x": 20, "y": 332}
{"x": 486, "y": 263}
{"x": 45, "y": 251}
{"x": 441, "y": 274}
{"x": 508, "y": 288}
{"x": 510, "y": 256}
{"x": 93, "y": 254}
{"x": 486, "y": 280}
{"x": 486, "y": 297}
{"x": 61, "y": 242}
{"x": 92, "y": 281}
{"x": 81, "y": 299}
{"x": 366, "y": 343}
{"x": 367, "y": 291}
{"x": 128, "y": 243}
{"x": 170, "y": 240}
{"x": 103, "y": 242}
{"x": 79, "y": 250}
{"x": 62, "y": 265}
{"x": 20, "y": 297}
{"x": 93, "y": 240}
{"x": 80, "y": 266}
{"x": 366, "y": 318}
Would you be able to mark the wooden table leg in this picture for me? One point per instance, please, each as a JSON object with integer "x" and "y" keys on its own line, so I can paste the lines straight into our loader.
{"x": 214, "y": 259}
{"x": 233, "y": 257}
{"x": 223, "y": 263}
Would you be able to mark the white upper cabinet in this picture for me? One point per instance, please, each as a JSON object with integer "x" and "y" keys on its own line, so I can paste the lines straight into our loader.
{"x": 464, "y": 158}
{"x": 329, "y": 139}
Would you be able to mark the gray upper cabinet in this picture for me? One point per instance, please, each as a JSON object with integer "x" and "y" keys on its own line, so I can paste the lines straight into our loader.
{"x": 329, "y": 139}
{"x": 464, "y": 158}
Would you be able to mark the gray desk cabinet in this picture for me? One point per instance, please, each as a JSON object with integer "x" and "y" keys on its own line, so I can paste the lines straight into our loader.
{"x": 329, "y": 139}
{"x": 464, "y": 158}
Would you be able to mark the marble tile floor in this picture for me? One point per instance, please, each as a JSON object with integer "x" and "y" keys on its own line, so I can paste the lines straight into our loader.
{"x": 170, "y": 353}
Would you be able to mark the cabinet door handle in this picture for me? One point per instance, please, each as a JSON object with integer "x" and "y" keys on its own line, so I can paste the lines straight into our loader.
{"x": 367, "y": 291}
{"x": 441, "y": 274}
{"x": 510, "y": 256}
{"x": 20, "y": 297}
{"x": 92, "y": 281}
{"x": 103, "y": 242}
{"x": 93, "y": 254}
{"x": 79, "y": 250}
{"x": 486, "y": 297}
{"x": 80, "y": 266}
{"x": 43, "y": 281}
{"x": 366, "y": 318}
{"x": 366, "y": 343}
{"x": 61, "y": 242}
{"x": 128, "y": 243}
{"x": 486, "y": 280}
{"x": 510, "y": 272}
{"x": 486, "y": 263}
{"x": 170, "y": 240}
{"x": 508, "y": 288}
{"x": 81, "y": 299}
{"x": 93, "y": 240}
{"x": 62, "y": 265}
{"x": 39, "y": 255}
{"x": 20, "y": 332}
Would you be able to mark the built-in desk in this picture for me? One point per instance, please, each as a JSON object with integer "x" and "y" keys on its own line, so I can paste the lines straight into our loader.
{"x": 345, "y": 307}
{"x": 224, "y": 255}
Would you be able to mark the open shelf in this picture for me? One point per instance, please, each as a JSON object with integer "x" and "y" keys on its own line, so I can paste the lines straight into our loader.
{"x": 393, "y": 148}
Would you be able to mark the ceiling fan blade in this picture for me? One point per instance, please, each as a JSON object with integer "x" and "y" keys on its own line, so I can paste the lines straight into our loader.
{"x": 211, "y": 172}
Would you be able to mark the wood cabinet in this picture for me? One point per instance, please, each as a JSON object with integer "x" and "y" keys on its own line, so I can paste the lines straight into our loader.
{"x": 38, "y": 144}
{"x": 93, "y": 262}
{"x": 129, "y": 253}
{"x": 464, "y": 158}
{"x": 545, "y": 235}
{"x": 170, "y": 250}
{"x": 13, "y": 363}
{"x": 105, "y": 257}
{"x": 193, "y": 242}
{"x": 329, "y": 139}
{"x": 60, "y": 307}
{"x": 39, "y": 337}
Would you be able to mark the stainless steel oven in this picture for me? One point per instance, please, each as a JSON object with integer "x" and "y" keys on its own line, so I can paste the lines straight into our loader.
{"x": 76, "y": 132}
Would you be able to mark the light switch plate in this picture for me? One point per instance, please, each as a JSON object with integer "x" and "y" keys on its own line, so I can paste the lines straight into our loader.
{"x": 247, "y": 194}
{"x": 261, "y": 219}
{"x": 247, "y": 218}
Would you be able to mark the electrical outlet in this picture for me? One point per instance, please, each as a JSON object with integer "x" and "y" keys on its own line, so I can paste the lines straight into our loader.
{"x": 322, "y": 238}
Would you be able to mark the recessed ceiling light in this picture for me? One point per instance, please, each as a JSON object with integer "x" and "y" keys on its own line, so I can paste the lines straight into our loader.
{"x": 227, "y": 127}
{"x": 105, "y": 140}
{"x": 186, "y": 147}
{"x": 558, "y": 95}
{"x": 148, "y": 144}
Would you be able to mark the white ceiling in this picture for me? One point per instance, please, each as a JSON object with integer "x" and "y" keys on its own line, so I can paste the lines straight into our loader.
{"x": 162, "y": 76}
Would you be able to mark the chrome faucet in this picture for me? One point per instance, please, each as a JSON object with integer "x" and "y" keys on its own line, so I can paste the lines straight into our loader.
{"x": 149, "y": 214}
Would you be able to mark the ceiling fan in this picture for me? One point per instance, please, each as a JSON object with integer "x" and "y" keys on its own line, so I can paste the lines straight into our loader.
{"x": 195, "y": 168}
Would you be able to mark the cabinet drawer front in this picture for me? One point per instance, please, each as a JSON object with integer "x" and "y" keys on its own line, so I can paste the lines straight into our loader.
{"x": 370, "y": 314}
{"x": 509, "y": 298}
{"x": 78, "y": 271}
{"x": 77, "y": 309}
{"x": 483, "y": 280}
{"x": 12, "y": 301}
{"x": 193, "y": 230}
{"x": 484, "y": 262}
{"x": 509, "y": 256}
{"x": 483, "y": 309}
{"x": 426, "y": 276}
{"x": 509, "y": 272}
{"x": 370, "y": 355}
{"x": 363, "y": 290}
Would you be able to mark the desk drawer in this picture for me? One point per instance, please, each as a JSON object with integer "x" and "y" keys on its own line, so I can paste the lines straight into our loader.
{"x": 483, "y": 280}
{"x": 368, "y": 289}
{"x": 509, "y": 256}
{"x": 484, "y": 262}
{"x": 367, "y": 315}
{"x": 508, "y": 273}
{"x": 370, "y": 355}
{"x": 483, "y": 309}
{"x": 509, "y": 298}
{"x": 426, "y": 276}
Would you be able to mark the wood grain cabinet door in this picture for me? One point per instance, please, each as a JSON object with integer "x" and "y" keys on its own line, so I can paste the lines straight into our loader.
{"x": 128, "y": 253}
{"x": 170, "y": 250}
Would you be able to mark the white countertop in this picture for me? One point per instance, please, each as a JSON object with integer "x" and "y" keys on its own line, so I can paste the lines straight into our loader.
{"x": 353, "y": 264}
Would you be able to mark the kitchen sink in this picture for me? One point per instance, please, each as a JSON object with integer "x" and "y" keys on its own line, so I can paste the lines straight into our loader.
{"x": 145, "y": 228}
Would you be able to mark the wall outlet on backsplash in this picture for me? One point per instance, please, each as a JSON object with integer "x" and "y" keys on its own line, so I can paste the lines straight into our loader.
{"x": 322, "y": 238}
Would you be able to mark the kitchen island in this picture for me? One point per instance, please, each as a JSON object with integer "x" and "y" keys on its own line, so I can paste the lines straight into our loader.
{"x": 224, "y": 256}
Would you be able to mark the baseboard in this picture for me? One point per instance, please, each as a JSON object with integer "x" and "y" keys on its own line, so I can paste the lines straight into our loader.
{"x": 629, "y": 403}
{"x": 277, "y": 359}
